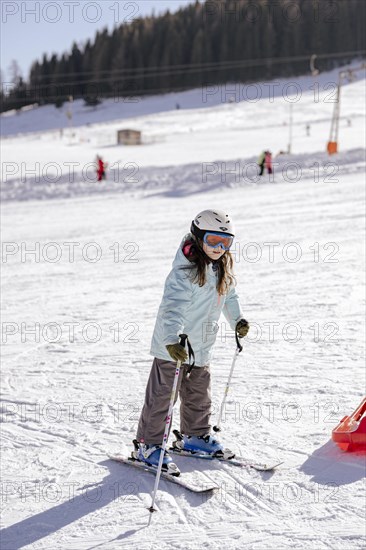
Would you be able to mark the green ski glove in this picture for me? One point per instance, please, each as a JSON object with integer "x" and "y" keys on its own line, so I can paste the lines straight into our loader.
{"x": 177, "y": 352}
{"x": 242, "y": 328}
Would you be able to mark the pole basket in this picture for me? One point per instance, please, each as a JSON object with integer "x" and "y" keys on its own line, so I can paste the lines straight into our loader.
{"x": 332, "y": 147}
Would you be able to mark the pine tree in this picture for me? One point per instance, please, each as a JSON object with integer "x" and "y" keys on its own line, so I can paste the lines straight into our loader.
{"x": 128, "y": 59}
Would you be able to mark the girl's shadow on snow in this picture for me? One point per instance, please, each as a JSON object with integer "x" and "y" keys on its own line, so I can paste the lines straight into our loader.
{"x": 121, "y": 483}
{"x": 330, "y": 466}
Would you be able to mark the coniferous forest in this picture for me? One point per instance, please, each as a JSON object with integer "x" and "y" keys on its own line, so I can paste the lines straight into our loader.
{"x": 203, "y": 44}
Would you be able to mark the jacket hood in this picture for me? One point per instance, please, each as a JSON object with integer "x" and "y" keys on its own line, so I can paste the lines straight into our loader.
{"x": 180, "y": 260}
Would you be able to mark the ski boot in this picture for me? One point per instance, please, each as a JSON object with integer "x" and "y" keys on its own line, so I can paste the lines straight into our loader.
{"x": 202, "y": 444}
{"x": 150, "y": 455}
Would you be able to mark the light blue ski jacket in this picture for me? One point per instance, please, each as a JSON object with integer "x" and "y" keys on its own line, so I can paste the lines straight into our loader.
{"x": 193, "y": 310}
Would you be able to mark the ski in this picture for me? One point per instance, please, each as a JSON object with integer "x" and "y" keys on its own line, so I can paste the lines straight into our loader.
{"x": 239, "y": 461}
{"x": 197, "y": 485}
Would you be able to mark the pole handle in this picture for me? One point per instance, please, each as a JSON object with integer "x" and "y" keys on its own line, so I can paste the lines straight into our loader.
{"x": 183, "y": 339}
{"x": 238, "y": 344}
{"x": 191, "y": 358}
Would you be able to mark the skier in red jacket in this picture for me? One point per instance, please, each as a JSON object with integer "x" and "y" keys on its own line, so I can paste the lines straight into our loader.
{"x": 265, "y": 162}
{"x": 101, "y": 166}
{"x": 268, "y": 162}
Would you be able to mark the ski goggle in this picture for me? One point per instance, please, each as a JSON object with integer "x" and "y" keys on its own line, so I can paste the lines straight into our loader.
{"x": 214, "y": 240}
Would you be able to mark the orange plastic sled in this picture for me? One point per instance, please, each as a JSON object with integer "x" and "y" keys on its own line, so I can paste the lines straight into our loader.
{"x": 350, "y": 434}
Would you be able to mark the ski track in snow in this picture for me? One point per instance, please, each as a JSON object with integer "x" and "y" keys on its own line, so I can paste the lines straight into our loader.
{"x": 183, "y": 181}
{"x": 69, "y": 403}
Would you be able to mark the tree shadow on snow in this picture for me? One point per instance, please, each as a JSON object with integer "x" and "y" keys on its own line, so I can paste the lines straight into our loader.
{"x": 329, "y": 465}
{"x": 121, "y": 482}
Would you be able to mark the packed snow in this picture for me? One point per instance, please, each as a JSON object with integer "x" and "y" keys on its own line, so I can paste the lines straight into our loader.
{"x": 84, "y": 264}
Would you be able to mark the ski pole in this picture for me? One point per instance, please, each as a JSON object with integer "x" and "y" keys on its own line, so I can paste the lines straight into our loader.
{"x": 183, "y": 339}
{"x": 239, "y": 348}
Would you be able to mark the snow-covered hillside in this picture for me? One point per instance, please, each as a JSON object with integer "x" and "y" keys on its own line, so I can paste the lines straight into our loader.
{"x": 126, "y": 110}
{"x": 84, "y": 266}
{"x": 186, "y": 150}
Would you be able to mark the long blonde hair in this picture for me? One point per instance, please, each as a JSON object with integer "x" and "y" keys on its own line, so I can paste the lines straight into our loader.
{"x": 225, "y": 275}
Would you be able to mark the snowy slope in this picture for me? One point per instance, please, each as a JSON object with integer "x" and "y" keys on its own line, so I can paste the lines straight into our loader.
{"x": 187, "y": 148}
{"x": 125, "y": 110}
{"x": 72, "y": 388}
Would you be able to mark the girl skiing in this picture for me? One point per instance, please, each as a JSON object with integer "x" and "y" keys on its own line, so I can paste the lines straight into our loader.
{"x": 199, "y": 287}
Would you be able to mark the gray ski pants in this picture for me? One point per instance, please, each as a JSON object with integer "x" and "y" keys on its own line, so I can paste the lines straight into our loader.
{"x": 195, "y": 401}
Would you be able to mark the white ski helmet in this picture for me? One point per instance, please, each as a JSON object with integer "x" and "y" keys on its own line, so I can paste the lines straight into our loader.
{"x": 212, "y": 220}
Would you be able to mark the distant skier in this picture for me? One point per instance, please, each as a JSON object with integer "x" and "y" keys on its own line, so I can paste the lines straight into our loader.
{"x": 268, "y": 162}
{"x": 199, "y": 288}
{"x": 261, "y": 161}
{"x": 101, "y": 168}
{"x": 265, "y": 162}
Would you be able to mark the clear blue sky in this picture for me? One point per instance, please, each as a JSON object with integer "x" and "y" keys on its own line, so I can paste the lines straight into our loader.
{"x": 31, "y": 28}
